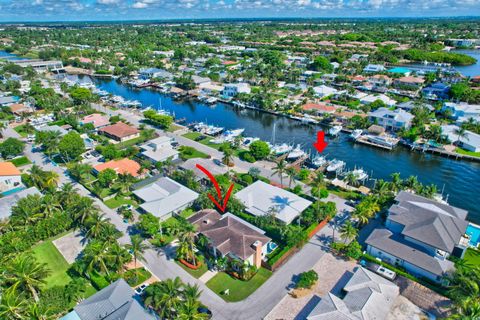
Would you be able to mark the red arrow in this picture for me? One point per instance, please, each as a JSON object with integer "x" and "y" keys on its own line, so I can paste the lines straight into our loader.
{"x": 219, "y": 191}
{"x": 320, "y": 145}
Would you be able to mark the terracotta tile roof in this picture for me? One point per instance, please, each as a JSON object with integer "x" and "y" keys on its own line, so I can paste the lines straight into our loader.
{"x": 411, "y": 79}
{"x": 120, "y": 130}
{"x": 18, "y": 107}
{"x": 318, "y": 107}
{"x": 122, "y": 166}
{"x": 96, "y": 119}
{"x": 8, "y": 169}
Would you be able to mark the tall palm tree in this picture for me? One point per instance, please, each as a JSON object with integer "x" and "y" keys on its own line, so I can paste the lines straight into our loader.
{"x": 396, "y": 181}
{"x": 95, "y": 224}
{"x": 50, "y": 205}
{"x": 348, "y": 231}
{"x": 95, "y": 256}
{"x": 351, "y": 179}
{"x": 187, "y": 244}
{"x": 189, "y": 311}
{"x": 279, "y": 169}
{"x": 137, "y": 248}
{"x": 227, "y": 158}
{"x": 117, "y": 257}
{"x": 36, "y": 175}
{"x": 124, "y": 182}
{"x": 461, "y": 132}
{"x": 191, "y": 291}
{"x": 164, "y": 297}
{"x": 291, "y": 173}
{"x": 51, "y": 180}
{"x": 25, "y": 273}
{"x": 13, "y": 306}
{"x": 84, "y": 208}
{"x": 27, "y": 210}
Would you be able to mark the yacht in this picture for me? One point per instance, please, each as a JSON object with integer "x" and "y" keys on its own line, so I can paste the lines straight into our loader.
{"x": 356, "y": 134}
{"x": 211, "y": 100}
{"x": 280, "y": 149}
{"x": 360, "y": 174}
{"x": 335, "y": 165}
{"x": 319, "y": 161}
{"x": 296, "y": 153}
{"x": 308, "y": 119}
{"x": 382, "y": 140}
{"x": 335, "y": 130}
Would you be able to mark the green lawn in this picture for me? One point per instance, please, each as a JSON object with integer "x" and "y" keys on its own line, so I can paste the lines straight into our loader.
{"x": 20, "y": 130}
{"x": 472, "y": 257}
{"x": 116, "y": 202}
{"x": 47, "y": 253}
{"x": 195, "y": 154}
{"x": 239, "y": 289}
{"x": 173, "y": 127}
{"x": 195, "y": 273}
{"x": 468, "y": 153}
{"x": 22, "y": 161}
{"x": 206, "y": 141}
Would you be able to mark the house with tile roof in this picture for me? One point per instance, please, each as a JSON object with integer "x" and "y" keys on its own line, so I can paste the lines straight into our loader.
{"x": 115, "y": 302}
{"x": 120, "y": 132}
{"x": 10, "y": 177}
{"x": 232, "y": 237}
{"x": 319, "y": 108}
{"x": 368, "y": 297}
{"x": 122, "y": 166}
{"x": 96, "y": 119}
{"x": 419, "y": 235}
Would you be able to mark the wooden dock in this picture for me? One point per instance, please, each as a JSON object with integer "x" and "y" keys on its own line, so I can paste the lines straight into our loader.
{"x": 441, "y": 152}
{"x": 364, "y": 140}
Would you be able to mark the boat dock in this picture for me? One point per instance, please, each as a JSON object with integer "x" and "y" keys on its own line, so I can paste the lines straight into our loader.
{"x": 441, "y": 152}
{"x": 364, "y": 140}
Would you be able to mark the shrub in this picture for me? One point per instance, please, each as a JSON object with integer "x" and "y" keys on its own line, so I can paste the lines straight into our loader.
{"x": 98, "y": 281}
{"x": 307, "y": 279}
{"x": 247, "y": 156}
{"x": 248, "y": 179}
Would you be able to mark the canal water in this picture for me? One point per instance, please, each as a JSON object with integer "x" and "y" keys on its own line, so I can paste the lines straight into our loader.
{"x": 460, "y": 180}
{"x": 471, "y": 70}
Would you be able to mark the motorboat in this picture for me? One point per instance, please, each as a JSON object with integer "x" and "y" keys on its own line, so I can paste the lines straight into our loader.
{"x": 296, "y": 153}
{"x": 308, "y": 119}
{"x": 383, "y": 140}
{"x": 335, "y": 165}
{"x": 335, "y": 130}
{"x": 319, "y": 161}
{"x": 280, "y": 149}
{"x": 356, "y": 134}
{"x": 211, "y": 100}
{"x": 249, "y": 140}
{"x": 360, "y": 174}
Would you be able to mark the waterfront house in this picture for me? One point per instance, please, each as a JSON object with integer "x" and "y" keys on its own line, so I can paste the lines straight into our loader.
{"x": 122, "y": 166}
{"x": 262, "y": 199}
{"x": 151, "y": 73}
{"x": 408, "y": 82}
{"x": 462, "y": 111}
{"x": 163, "y": 197}
{"x": 419, "y": 235}
{"x": 380, "y": 81}
{"x": 436, "y": 91}
{"x": 7, "y": 100}
{"x": 410, "y": 105}
{"x": 319, "y": 108}
{"x": 96, "y": 119}
{"x": 159, "y": 149}
{"x": 324, "y": 91}
{"x": 215, "y": 167}
{"x": 199, "y": 81}
{"x": 116, "y": 301}
{"x": 392, "y": 120}
{"x": 10, "y": 178}
{"x": 232, "y": 89}
{"x": 374, "y": 68}
{"x": 370, "y": 98}
{"x": 120, "y": 132}
{"x": 60, "y": 130}
{"x": 232, "y": 237}
{"x": 470, "y": 142}
{"x": 9, "y": 201}
{"x": 367, "y": 296}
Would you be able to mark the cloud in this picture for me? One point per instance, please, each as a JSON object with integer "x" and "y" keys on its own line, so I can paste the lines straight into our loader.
{"x": 108, "y": 2}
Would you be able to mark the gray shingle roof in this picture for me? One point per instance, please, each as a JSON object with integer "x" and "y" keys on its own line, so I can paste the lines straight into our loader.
{"x": 386, "y": 241}
{"x": 433, "y": 223}
{"x": 115, "y": 302}
{"x": 368, "y": 297}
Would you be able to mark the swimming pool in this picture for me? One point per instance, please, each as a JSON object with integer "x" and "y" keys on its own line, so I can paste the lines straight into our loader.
{"x": 271, "y": 246}
{"x": 12, "y": 191}
{"x": 474, "y": 232}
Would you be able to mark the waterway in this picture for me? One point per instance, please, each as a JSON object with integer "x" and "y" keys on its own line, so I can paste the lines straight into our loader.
{"x": 471, "y": 70}
{"x": 460, "y": 180}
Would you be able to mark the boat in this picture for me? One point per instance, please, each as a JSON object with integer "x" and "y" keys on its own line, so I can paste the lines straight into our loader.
{"x": 335, "y": 165}
{"x": 296, "y": 153}
{"x": 211, "y": 100}
{"x": 383, "y": 141}
{"x": 227, "y": 136}
{"x": 356, "y": 134}
{"x": 307, "y": 119}
{"x": 249, "y": 140}
{"x": 360, "y": 174}
{"x": 280, "y": 149}
{"x": 335, "y": 130}
{"x": 319, "y": 161}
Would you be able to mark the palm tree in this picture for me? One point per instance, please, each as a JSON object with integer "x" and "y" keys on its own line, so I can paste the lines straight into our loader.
{"x": 25, "y": 273}
{"x": 117, "y": 256}
{"x": 189, "y": 311}
{"x": 461, "y": 133}
{"x": 36, "y": 176}
{"x": 13, "y": 306}
{"x": 348, "y": 231}
{"x": 396, "y": 181}
{"x": 467, "y": 310}
{"x": 95, "y": 224}
{"x": 227, "y": 158}
{"x": 291, "y": 173}
{"x": 95, "y": 256}
{"x": 279, "y": 169}
{"x": 84, "y": 208}
{"x": 164, "y": 297}
{"x": 191, "y": 291}
{"x": 124, "y": 182}
{"x": 362, "y": 216}
{"x": 411, "y": 182}
{"x": 187, "y": 246}
{"x": 136, "y": 248}
{"x": 38, "y": 311}
{"x": 351, "y": 179}
{"x": 50, "y": 205}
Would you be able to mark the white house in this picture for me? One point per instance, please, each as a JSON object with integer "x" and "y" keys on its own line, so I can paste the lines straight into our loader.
{"x": 151, "y": 73}
{"x": 324, "y": 91}
{"x": 159, "y": 149}
{"x": 470, "y": 142}
{"x": 463, "y": 111}
{"x": 10, "y": 177}
{"x": 391, "y": 119}
{"x": 232, "y": 89}
{"x": 374, "y": 97}
{"x": 374, "y": 68}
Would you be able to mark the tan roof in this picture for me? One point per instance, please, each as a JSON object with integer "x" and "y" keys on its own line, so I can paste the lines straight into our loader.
{"x": 120, "y": 130}
{"x": 18, "y": 107}
{"x": 122, "y": 166}
{"x": 411, "y": 79}
{"x": 318, "y": 107}
{"x": 8, "y": 169}
{"x": 228, "y": 233}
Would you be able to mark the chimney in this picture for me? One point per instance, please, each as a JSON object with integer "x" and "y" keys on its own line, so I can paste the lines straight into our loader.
{"x": 257, "y": 259}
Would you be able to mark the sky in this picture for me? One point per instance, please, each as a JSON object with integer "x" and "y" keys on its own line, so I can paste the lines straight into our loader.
{"x": 91, "y": 10}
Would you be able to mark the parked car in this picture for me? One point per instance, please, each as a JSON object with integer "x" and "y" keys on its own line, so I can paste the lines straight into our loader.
{"x": 206, "y": 311}
{"x": 141, "y": 288}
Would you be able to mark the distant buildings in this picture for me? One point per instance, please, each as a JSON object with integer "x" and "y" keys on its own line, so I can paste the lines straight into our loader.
{"x": 262, "y": 199}
{"x": 436, "y": 91}
{"x": 368, "y": 297}
{"x": 162, "y": 197}
{"x": 324, "y": 91}
{"x": 150, "y": 73}
{"x": 419, "y": 235}
{"x": 392, "y": 120}
{"x": 120, "y": 132}
{"x": 10, "y": 177}
{"x": 115, "y": 302}
{"x": 41, "y": 66}
{"x": 232, "y": 237}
